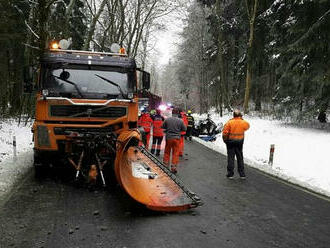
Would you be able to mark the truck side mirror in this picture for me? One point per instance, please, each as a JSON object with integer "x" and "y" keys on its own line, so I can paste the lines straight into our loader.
{"x": 28, "y": 79}
{"x": 64, "y": 75}
{"x": 146, "y": 80}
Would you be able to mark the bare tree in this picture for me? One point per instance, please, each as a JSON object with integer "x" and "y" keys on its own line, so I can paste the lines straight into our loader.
{"x": 91, "y": 30}
{"x": 129, "y": 23}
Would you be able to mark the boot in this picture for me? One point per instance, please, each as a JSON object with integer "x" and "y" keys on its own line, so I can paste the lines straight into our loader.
{"x": 173, "y": 169}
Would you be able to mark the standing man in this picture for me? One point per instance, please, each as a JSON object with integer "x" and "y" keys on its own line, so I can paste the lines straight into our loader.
{"x": 191, "y": 123}
{"x": 145, "y": 121}
{"x": 173, "y": 127}
{"x": 157, "y": 132}
{"x": 233, "y": 136}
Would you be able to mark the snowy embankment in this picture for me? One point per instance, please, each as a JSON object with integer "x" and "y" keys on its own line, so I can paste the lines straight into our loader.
{"x": 11, "y": 167}
{"x": 300, "y": 155}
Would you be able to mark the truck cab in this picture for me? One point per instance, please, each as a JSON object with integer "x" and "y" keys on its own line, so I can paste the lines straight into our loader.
{"x": 82, "y": 92}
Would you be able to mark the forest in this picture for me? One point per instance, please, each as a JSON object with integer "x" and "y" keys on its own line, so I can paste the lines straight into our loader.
{"x": 268, "y": 56}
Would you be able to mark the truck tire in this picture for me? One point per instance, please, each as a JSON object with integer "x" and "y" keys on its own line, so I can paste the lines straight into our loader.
{"x": 39, "y": 166}
{"x": 39, "y": 172}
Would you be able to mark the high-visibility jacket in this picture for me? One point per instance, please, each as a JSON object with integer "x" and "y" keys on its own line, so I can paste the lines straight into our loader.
{"x": 234, "y": 129}
{"x": 157, "y": 122}
{"x": 145, "y": 121}
{"x": 185, "y": 121}
{"x": 191, "y": 120}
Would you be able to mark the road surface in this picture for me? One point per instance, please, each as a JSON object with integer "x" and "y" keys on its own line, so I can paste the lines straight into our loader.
{"x": 258, "y": 212}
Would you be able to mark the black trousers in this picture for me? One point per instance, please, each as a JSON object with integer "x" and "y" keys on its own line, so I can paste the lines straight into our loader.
{"x": 156, "y": 144}
{"x": 235, "y": 148}
{"x": 188, "y": 133}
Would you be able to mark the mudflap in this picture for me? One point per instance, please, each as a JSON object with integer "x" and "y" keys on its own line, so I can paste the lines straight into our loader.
{"x": 147, "y": 180}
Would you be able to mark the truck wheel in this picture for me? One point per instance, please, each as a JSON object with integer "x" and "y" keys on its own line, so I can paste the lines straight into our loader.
{"x": 39, "y": 167}
{"x": 39, "y": 171}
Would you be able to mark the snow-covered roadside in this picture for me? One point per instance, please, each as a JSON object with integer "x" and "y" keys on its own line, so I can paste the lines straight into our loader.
{"x": 11, "y": 168}
{"x": 300, "y": 153}
{"x": 10, "y": 128}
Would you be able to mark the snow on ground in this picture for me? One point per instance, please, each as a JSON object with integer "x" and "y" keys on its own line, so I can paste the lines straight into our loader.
{"x": 300, "y": 154}
{"x": 11, "y": 168}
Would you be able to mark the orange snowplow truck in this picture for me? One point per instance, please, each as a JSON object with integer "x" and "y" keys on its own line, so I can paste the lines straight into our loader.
{"x": 86, "y": 120}
{"x": 82, "y": 94}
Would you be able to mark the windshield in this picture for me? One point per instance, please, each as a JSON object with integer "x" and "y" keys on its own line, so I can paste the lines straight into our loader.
{"x": 87, "y": 82}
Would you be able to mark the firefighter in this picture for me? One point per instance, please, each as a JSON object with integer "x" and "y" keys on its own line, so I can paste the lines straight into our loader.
{"x": 233, "y": 136}
{"x": 190, "y": 126}
{"x": 146, "y": 122}
{"x": 157, "y": 132}
{"x": 173, "y": 127}
{"x": 183, "y": 133}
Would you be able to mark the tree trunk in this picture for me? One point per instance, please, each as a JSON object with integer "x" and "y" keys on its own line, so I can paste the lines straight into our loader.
{"x": 134, "y": 28}
{"x": 322, "y": 117}
{"x": 68, "y": 14}
{"x": 221, "y": 63}
{"x": 145, "y": 40}
{"x": 43, "y": 13}
{"x": 252, "y": 14}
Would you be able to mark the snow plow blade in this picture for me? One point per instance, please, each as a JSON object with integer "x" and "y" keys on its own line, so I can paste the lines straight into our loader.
{"x": 147, "y": 180}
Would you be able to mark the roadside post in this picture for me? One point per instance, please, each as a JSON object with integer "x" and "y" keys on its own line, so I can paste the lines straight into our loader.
{"x": 271, "y": 154}
{"x": 14, "y": 147}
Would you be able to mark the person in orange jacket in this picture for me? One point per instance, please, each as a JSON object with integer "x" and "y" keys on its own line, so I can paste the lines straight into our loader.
{"x": 173, "y": 127}
{"x": 145, "y": 121}
{"x": 183, "y": 134}
{"x": 157, "y": 132}
{"x": 233, "y": 136}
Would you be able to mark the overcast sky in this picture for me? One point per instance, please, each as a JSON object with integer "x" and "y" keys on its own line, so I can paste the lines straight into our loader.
{"x": 167, "y": 40}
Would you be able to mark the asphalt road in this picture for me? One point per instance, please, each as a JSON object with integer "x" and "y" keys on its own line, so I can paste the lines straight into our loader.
{"x": 258, "y": 212}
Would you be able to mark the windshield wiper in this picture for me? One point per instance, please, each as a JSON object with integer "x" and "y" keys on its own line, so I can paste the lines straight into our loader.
{"x": 72, "y": 83}
{"x": 109, "y": 81}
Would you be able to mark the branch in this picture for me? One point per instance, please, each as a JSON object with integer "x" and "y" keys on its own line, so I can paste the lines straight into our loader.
{"x": 69, "y": 8}
{"x": 33, "y": 47}
{"x": 91, "y": 30}
{"x": 248, "y": 9}
{"x": 32, "y": 2}
{"x": 37, "y": 36}
{"x": 93, "y": 15}
{"x": 50, "y": 3}
{"x": 311, "y": 29}
{"x": 96, "y": 43}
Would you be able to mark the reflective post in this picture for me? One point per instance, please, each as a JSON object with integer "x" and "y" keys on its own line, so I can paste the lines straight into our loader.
{"x": 271, "y": 154}
{"x": 14, "y": 146}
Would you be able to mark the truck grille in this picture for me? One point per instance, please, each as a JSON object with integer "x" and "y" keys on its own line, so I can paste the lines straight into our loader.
{"x": 88, "y": 130}
{"x": 87, "y": 111}
{"x": 107, "y": 129}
